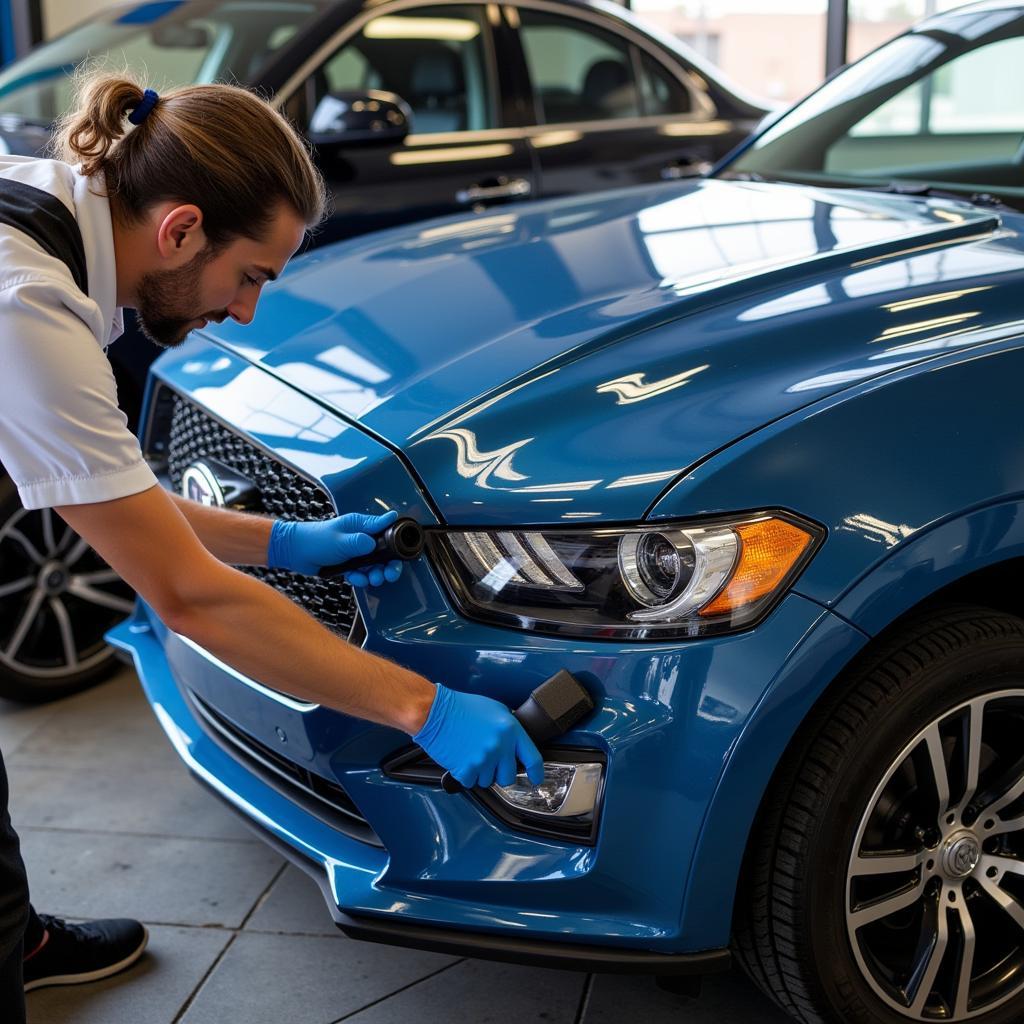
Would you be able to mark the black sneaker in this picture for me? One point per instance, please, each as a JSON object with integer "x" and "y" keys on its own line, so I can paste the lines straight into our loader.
{"x": 75, "y": 953}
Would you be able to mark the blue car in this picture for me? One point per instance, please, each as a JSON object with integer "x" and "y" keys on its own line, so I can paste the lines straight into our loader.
{"x": 743, "y": 455}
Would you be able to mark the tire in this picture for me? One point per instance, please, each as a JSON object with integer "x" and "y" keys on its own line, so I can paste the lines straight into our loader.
{"x": 57, "y": 599}
{"x": 936, "y": 930}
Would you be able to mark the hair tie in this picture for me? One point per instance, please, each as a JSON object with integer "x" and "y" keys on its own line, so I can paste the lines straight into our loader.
{"x": 145, "y": 107}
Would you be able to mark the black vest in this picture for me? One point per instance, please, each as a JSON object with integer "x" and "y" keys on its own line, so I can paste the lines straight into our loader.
{"x": 46, "y": 220}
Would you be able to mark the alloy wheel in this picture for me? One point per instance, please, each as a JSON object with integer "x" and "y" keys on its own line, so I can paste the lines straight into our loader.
{"x": 935, "y": 881}
{"x": 57, "y": 598}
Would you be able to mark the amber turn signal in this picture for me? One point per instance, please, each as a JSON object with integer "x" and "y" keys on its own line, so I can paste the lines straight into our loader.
{"x": 769, "y": 549}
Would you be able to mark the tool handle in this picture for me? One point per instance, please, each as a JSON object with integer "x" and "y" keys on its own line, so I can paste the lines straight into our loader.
{"x": 403, "y": 539}
{"x": 557, "y": 705}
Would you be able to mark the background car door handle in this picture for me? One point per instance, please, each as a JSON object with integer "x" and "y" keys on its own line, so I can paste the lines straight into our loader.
{"x": 686, "y": 168}
{"x": 516, "y": 188}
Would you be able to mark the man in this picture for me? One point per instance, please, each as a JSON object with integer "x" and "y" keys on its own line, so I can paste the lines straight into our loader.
{"x": 181, "y": 207}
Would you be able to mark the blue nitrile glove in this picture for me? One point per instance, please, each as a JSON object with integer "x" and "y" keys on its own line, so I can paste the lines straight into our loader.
{"x": 307, "y": 547}
{"x": 478, "y": 740}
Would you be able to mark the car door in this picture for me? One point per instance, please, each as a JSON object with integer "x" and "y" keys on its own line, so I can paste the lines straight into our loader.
{"x": 441, "y": 60}
{"x": 609, "y": 109}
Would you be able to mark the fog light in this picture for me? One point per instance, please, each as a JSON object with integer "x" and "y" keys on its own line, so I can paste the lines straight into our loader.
{"x": 566, "y": 805}
{"x": 568, "y": 791}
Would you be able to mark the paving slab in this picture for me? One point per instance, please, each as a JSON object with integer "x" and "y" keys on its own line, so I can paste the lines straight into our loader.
{"x": 480, "y": 992}
{"x": 110, "y": 724}
{"x": 109, "y": 798}
{"x": 725, "y": 999}
{"x": 19, "y": 721}
{"x": 296, "y": 906}
{"x": 153, "y": 991}
{"x": 299, "y": 979}
{"x": 169, "y": 881}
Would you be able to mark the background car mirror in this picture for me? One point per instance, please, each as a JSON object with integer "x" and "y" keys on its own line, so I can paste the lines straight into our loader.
{"x": 359, "y": 118}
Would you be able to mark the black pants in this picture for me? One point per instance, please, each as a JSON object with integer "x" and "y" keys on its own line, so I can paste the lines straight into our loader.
{"x": 15, "y": 915}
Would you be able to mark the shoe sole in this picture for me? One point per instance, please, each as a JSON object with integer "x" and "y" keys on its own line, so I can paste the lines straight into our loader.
{"x": 104, "y": 972}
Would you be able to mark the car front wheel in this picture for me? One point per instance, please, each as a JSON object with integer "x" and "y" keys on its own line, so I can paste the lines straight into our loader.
{"x": 57, "y": 599}
{"x": 885, "y": 879}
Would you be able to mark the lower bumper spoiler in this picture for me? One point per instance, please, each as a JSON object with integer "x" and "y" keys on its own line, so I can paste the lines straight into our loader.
{"x": 483, "y": 945}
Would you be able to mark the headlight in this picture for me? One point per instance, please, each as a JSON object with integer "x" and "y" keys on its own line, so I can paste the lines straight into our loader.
{"x": 652, "y": 582}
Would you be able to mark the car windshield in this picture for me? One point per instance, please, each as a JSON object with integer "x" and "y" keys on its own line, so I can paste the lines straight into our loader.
{"x": 170, "y": 43}
{"x": 939, "y": 106}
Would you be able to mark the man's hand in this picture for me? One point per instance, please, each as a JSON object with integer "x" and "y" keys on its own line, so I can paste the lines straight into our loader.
{"x": 307, "y": 547}
{"x": 478, "y": 740}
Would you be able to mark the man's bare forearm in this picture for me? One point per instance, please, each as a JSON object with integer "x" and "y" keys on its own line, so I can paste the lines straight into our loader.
{"x": 237, "y": 538}
{"x": 263, "y": 634}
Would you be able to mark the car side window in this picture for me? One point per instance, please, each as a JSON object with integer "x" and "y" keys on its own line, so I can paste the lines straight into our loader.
{"x": 661, "y": 93}
{"x": 434, "y": 58}
{"x": 579, "y": 73}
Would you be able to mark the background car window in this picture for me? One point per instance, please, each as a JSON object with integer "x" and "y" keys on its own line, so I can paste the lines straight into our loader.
{"x": 957, "y": 99}
{"x": 433, "y": 57}
{"x": 578, "y": 72}
{"x": 169, "y": 44}
{"x": 661, "y": 93}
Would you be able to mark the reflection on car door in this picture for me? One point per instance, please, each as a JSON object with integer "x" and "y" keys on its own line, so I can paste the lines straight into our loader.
{"x": 612, "y": 113}
{"x": 441, "y": 61}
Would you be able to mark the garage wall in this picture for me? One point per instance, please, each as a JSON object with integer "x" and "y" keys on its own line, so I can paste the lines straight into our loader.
{"x": 59, "y": 15}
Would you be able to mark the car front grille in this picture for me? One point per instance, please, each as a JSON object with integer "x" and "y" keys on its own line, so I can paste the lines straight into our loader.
{"x": 183, "y": 433}
{"x": 321, "y": 797}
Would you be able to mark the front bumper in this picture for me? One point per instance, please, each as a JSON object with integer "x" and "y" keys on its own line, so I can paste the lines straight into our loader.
{"x": 448, "y": 875}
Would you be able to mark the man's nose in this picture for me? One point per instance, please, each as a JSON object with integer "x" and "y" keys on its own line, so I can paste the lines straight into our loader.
{"x": 243, "y": 310}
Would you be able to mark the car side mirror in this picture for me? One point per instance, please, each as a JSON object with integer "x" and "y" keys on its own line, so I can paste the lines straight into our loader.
{"x": 359, "y": 118}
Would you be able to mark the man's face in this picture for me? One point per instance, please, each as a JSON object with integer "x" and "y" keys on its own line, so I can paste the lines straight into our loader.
{"x": 214, "y": 286}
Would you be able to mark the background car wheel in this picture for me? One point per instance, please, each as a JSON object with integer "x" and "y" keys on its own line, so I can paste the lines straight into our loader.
{"x": 884, "y": 881}
{"x": 57, "y": 599}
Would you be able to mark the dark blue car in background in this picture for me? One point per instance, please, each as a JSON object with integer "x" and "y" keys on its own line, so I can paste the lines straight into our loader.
{"x": 745, "y": 456}
{"x": 414, "y": 109}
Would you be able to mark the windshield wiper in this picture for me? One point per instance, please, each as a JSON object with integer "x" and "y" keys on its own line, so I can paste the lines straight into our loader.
{"x": 907, "y": 188}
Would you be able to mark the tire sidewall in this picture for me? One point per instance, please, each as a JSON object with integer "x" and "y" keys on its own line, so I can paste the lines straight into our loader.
{"x": 928, "y": 694}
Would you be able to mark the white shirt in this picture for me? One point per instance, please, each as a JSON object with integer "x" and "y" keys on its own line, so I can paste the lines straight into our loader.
{"x": 63, "y": 439}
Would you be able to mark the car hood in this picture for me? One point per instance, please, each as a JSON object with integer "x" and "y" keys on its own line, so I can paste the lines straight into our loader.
{"x": 566, "y": 359}
{"x": 22, "y": 138}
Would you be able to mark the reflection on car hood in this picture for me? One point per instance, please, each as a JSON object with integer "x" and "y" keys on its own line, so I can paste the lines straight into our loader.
{"x": 566, "y": 359}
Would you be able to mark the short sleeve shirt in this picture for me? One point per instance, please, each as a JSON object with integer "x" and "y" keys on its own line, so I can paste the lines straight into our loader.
{"x": 63, "y": 438}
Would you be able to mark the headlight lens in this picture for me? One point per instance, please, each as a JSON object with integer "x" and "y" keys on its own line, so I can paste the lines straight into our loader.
{"x": 656, "y": 582}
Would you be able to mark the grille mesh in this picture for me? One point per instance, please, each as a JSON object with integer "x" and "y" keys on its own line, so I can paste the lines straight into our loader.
{"x": 189, "y": 434}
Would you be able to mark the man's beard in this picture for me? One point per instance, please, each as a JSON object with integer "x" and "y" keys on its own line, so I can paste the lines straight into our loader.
{"x": 167, "y": 301}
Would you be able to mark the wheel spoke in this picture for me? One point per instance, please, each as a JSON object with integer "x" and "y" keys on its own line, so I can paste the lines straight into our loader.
{"x": 16, "y": 586}
{"x": 1014, "y": 793}
{"x": 48, "y": 539}
{"x": 975, "y": 723}
{"x": 31, "y": 610}
{"x": 27, "y": 546}
{"x": 1003, "y": 899}
{"x": 886, "y": 906}
{"x": 931, "y": 950}
{"x": 1004, "y": 865}
{"x": 79, "y": 548}
{"x": 100, "y": 597}
{"x": 963, "y": 985}
{"x": 937, "y": 761}
{"x": 67, "y": 635}
{"x": 886, "y": 863}
{"x": 99, "y": 576}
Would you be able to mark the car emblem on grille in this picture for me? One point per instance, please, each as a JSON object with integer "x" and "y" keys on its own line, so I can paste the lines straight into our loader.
{"x": 199, "y": 483}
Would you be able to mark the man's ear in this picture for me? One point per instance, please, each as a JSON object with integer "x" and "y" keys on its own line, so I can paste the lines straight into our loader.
{"x": 180, "y": 235}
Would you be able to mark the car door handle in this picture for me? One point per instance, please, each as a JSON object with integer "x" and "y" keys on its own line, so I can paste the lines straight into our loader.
{"x": 695, "y": 168}
{"x": 516, "y": 188}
